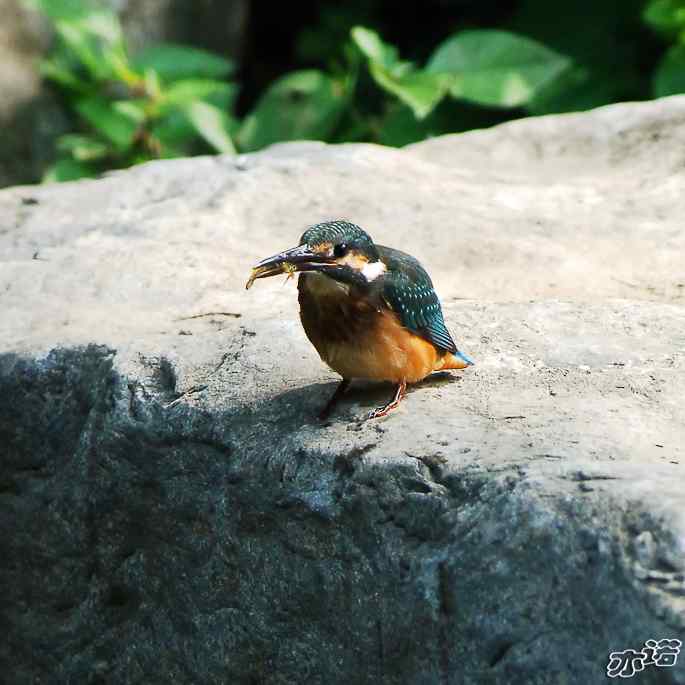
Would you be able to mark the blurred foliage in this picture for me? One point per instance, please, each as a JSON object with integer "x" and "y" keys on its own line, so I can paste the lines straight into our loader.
{"x": 175, "y": 100}
{"x": 164, "y": 102}
{"x": 667, "y": 17}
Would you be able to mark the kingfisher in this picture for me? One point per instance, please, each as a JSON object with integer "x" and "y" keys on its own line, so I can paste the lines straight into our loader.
{"x": 370, "y": 311}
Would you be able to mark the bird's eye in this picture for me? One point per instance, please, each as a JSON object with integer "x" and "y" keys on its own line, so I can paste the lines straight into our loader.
{"x": 340, "y": 250}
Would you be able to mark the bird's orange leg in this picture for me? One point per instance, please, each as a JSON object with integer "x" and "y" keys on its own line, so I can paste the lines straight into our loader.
{"x": 339, "y": 392}
{"x": 400, "y": 394}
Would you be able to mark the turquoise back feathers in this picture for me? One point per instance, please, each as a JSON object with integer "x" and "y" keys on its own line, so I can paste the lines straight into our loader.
{"x": 408, "y": 291}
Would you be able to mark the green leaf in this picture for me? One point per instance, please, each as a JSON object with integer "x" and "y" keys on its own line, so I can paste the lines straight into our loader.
{"x": 665, "y": 16}
{"x": 58, "y": 71}
{"x": 303, "y": 105}
{"x": 185, "y": 92}
{"x": 496, "y": 67}
{"x": 83, "y": 47}
{"x": 113, "y": 124}
{"x": 62, "y": 9}
{"x": 94, "y": 36}
{"x": 134, "y": 110}
{"x": 175, "y": 134}
{"x": 212, "y": 124}
{"x": 81, "y": 147}
{"x": 67, "y": 170}
{"x": 90, "y": 32}
{"x": 400, "y": 127}
{"x": 152, "y": 84}
{"x": 373, "y": 47}
{"x": 419, "y": 89}
{"x": 105, "y": 25}
{"x": 173, "y": 62}
{"x": 669, "y": 77}
{"x": 577, "y": 89}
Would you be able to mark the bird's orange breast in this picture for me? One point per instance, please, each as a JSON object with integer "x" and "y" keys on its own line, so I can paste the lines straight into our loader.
{"x": 358, "y": 340}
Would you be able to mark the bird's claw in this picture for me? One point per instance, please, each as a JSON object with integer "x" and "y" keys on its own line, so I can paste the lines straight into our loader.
{"x": 400, "y": 393}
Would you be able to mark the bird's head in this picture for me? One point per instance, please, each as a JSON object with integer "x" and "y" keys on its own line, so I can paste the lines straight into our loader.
{"x": 337, "y": 249}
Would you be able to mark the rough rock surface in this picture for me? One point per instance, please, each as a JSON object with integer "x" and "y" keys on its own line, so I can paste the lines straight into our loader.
{"x": 170, "y": 511}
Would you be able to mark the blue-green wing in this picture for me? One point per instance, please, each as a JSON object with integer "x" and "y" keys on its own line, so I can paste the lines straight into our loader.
{"x": 408, "y": 291}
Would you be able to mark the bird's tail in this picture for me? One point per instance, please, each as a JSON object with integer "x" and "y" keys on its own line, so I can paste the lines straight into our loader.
{"x": 463, "y": 357}
{"x": 458, "y": 360}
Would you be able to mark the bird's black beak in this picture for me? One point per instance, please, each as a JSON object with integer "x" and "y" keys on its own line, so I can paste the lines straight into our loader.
{"x": 300, "y": 258}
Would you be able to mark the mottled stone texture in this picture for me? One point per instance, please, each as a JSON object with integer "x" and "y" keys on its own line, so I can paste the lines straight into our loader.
{"x": 171, "y": 511}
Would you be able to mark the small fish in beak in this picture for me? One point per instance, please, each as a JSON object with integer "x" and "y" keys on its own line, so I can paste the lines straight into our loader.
{"x": 290, "y": 270}
{"x": 300, "y": 258}
{"x": 266, "y": 271}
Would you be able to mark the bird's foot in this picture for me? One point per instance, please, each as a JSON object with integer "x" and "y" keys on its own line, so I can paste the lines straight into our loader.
{"x": 400, "y": 394}
{"x": 330, "y": 405}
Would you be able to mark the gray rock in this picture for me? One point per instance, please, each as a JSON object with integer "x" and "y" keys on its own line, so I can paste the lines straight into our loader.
{"x": 170, "y": 510}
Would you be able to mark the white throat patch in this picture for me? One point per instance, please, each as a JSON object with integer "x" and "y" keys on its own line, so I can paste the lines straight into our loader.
{"x": 372, "y": 270}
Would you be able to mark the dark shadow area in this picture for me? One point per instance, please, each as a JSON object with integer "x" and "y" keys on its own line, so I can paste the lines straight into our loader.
{"x": 186, "y": 545}
{"x": 28, "y": 139}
